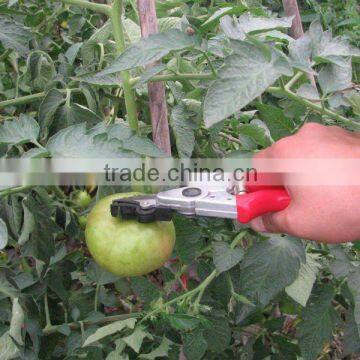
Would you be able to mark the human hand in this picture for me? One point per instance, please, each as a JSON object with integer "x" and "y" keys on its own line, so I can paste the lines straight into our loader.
{"x": 329, "y": 213}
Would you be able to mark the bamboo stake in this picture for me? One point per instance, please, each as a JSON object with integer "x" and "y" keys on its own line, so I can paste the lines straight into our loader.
{"x": 291, "y": 8}
{"x": 158, "y": 106}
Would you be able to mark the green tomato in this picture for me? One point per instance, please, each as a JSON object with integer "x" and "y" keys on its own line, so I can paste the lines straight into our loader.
{"x": 127, "y": 248}
{"x": 82, "y": 199}
{"x": 82, "y": 221}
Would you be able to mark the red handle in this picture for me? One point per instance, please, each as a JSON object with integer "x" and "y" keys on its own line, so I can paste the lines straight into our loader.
{"x": 258, "y": 203}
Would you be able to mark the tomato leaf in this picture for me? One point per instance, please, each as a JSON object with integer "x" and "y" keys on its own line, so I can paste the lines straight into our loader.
{"x": 4, "y": 236}
{"x": 195, "y": 344}
{"x": 6, "y": 288}
{"x": 335, "y": 78}
{"x": 319, "y": 321}
{"x": 301, "y": 288}
{"x": 245, "y": 76}
{"x": 161, "y": 351}
{"x": 19, "y": 131}
{"x": 15, "y": 36}
{"x": 149, "y": 50}
{"x": 184, "y": 130}
{"x": 278, "y": 124}
{"x": 224, "y": 257}
{"x": 109, "y": 330}
{"x": 269, "y": 266}
{"x": 238, "y": 28}
{"x": 136, "y": 339}
{"x": 75, "y": 142}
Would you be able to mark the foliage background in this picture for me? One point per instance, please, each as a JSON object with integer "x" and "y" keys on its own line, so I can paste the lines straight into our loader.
{"x": 228, "y": 293}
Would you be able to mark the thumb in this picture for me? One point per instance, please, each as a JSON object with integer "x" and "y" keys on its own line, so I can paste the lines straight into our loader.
{"x": 270, "y": 223}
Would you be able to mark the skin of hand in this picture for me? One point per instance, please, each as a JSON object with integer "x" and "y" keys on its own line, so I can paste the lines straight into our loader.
{"x": 329, "y": 214}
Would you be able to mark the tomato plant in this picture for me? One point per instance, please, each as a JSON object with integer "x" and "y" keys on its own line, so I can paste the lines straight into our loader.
{"x": 73, "y": 84}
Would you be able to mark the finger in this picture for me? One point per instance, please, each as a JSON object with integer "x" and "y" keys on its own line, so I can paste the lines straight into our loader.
{"x": 271, "y": 223}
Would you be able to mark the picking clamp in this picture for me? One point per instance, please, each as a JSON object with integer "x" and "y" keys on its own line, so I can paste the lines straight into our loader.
{"x": 244, "y": 205}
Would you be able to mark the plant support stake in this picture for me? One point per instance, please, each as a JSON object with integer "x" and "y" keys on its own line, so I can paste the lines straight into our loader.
{"x": 291, "y": 8}
{"x": 157, "y": 95}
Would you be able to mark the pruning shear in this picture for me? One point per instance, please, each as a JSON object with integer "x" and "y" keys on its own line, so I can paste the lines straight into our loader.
{"x": 243, "y": 203}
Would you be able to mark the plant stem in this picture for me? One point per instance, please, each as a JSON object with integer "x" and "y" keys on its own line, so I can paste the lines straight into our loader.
{"x": 14, "y": 190}
{"x": 203, "y": 287}
{"x": 230, "y": 138}
{"x": 47, "y": 313}
{"x": 76, "y": 325}
{"x": 294, "y": 80}
{"x": 199, "y": 290}
{"x": 116, "y": 20}
{"x": 101, "y": 8}
{"x": 30, "y": 98}
{"x": 96, "y": 299}
{"x": 318, "y": 108}
{"x": 5, "y": 54}
{"x": 176, "y": 77}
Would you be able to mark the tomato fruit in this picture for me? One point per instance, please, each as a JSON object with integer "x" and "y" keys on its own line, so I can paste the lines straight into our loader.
{"x": 82, "y": 221}
{"x": 82, "y": 199}
{"x": 127, "y": 248}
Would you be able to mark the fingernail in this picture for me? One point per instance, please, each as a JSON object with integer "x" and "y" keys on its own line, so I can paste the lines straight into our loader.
{"x": 258, "y": 225}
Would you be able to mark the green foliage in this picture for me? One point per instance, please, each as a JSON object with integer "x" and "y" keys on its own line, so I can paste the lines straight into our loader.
{"x": 235, "y": 83}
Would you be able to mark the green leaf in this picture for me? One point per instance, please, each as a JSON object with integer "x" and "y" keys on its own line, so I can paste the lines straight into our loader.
{"x": 73, "y": 114}
{"x": 100, "y": 275}
{"x": 161, "y": 351}
{"x": 195, "y": 345}
{"x": 300, "y": 54}
{"x": 354, "y": 285}
{"x": 145, "y": 289}
{"x": 184, "y": 130}
{"x": 218, "y": 334}
{"x": 256, "y": 133}
{"x": 225, "y": 257}
{"x": 27, "y": 227}
{"x": 188, "y": 237}
{"x": 51, "y": 102}
{"x": 111, "y": 80}
{"x": 341, "y": 265}
{"x": 269, "y": 266}
{"x": 168, "y": 23}
{"x": 9, "y": 350}
{"x": 142, "y": 146}
{"x": 318, "y": 323}
{"x": 109, "y": 330}
{"x": 327, "y": 48}
{"x": 309, "y": 92}
{"x": 245, "y": 76}
{"x": 19, "y": 131}
{"x": 214, "y": 18}
{"x": 72, "y": 52}
{"x": 6, "y": 288}
{"x": 278, "y": 124}
{"x": 183, "y": 321}
{"x": 300, "y": 289}
{"x": 132, "y": 31}
{"x": 354, "y": 100}
{"x": 136, "y": 339}
{"x": 238, "y": 28}
{"x": 351, "y": 334}
{"x": 75, "y": 142}
{"x": 41, "y": 68}
{"x": 149, "y": 50}
{"x": 335, "y": 78}
{"x": 4, "y": 236}
{"x": 149, "y": 73}
{"x": 14, "y": 36}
